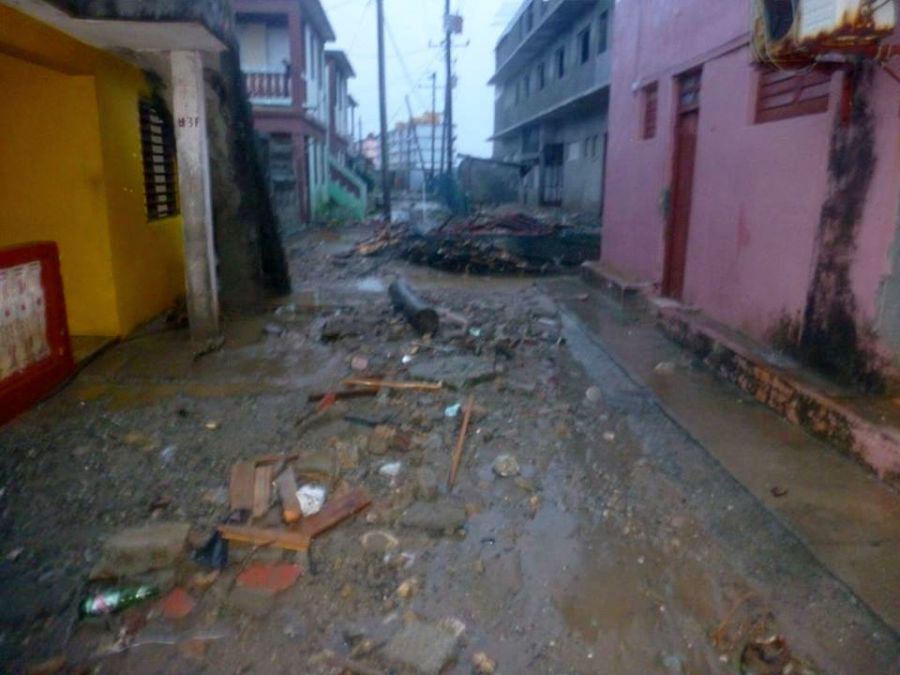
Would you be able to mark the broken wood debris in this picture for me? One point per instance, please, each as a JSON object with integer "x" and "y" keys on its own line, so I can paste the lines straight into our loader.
{"x": 388, "y": 384}
{"x": 299, "y": 536}
{"x": 460, "y": 442}
{"x": 287, "y": 493}
{"x": 421, "y": 316}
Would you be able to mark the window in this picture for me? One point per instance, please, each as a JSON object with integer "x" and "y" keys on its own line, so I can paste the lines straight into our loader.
{"x": 584, "y": 44}
{"x": 651, "y": 105}
{"x": 158, "y": 153}
{"x": 587, "y": 148}
{"x": 560, "y": 63}
{"x": 574, "y": 151}
{"x": 526, "y": 85}
{"x": 541, "y": 76}
{"x": 529, "y": 19}
{"x": 603, "y": 33}
{"x": 789, "y": 93}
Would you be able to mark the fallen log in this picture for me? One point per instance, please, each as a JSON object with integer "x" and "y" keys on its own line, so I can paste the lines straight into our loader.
{"x": 421, "y": 316}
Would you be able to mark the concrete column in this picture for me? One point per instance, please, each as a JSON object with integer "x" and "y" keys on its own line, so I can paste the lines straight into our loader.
{"x": 189, "y": 102}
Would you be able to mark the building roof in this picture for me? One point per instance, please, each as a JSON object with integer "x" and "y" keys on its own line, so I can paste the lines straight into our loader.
{"x": 341, "y": 61}
{"x": 318, "y": 17}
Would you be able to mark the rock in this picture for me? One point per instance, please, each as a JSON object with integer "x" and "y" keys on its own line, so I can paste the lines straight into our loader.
{"x": 379, "y": 541}
{"x": 426, "y": 648}
{"x": 250, "y": 601}
{"x": 665, "y": 368}
{"x": 320, "y": 463}
{"x": 506, "y": 466}
{"x": 484, "y": 664}
{"x": 456, "y": 372}
{"x": 141, "y": 549}
{"x": 593, "y": 394}
{"x": 426, "y": 485}
{"x": 359, "y": 363}
{"x": 408, "y": 588}
{"x": 347, "y": 454}
{"x": 391, "y": 469}
{"x": 380, "y": 440}
{"x": 436, "y": 517}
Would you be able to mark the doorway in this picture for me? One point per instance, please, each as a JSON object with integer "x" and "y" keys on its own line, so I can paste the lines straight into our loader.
{"x": 686, "y": 125}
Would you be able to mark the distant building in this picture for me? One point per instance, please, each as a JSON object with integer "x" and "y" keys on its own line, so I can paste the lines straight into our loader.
{"x": 297, "y": 110}
{"x": 415, "y": 147}
{"x": 551, "y": 80}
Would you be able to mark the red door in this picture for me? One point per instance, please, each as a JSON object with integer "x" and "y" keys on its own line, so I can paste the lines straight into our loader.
{"x": 682, "y": 184}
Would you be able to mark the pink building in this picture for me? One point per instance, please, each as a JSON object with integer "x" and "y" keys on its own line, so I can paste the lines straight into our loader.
{"x": 766, "y": 198}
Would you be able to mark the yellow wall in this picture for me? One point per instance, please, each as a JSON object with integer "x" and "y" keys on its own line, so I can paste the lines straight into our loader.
{"x": 71, "y": 172}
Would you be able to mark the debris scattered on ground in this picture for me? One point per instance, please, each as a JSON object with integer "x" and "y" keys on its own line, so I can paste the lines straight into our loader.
{"x": 483, "y": 664}
{"x": 506, "y": 466}
{"x": 499, "y": 243}
{"x": 269, "y": 578}
{"x": 311, "y": 498}
{"x": 424, "y": 647}
{"x": 665, "y": 368}
{"x": 778, "y": 491}
{"x": 177, "y": 604}
{"x": 136, "y": 550}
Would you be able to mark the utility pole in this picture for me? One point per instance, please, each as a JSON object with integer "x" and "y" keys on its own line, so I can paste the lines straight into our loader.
{"x": 382, "y": 104}
{"x": 448, "y": 106}
{"x": 433, "y": 120}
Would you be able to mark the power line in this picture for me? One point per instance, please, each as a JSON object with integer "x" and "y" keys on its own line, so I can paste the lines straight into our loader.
{"x": 409, "y": 79}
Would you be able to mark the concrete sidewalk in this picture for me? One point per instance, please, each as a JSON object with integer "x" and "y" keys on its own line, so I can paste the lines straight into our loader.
{"x": 848, "y": 519}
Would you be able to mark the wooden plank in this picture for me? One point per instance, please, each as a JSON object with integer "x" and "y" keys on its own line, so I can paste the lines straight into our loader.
{"x": 290, "y": 540}
{"x": 334, "y": 512}
{"x": 287, "y": 492}
{"x": 460, "y": 442}
{"x": 262, "y": 489}
{"x": 240, "y": 490}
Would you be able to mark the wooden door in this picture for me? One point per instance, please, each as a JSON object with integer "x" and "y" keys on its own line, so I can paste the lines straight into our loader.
{"x": 682, "y": 185}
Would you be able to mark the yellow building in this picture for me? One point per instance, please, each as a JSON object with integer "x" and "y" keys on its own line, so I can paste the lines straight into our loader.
{"x": 72, "y": 172}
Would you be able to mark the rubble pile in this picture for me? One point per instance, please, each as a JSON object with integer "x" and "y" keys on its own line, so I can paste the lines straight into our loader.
{"x": 498, "y": 243}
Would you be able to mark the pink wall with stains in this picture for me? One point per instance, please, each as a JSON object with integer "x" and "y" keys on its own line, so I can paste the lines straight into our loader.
{"x": 758, "y": 188}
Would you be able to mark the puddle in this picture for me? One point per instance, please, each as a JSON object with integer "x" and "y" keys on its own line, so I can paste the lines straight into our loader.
{"x": 371, "y": 285}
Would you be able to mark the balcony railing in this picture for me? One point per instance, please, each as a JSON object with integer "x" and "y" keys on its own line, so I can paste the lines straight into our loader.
{"x": 268, "y": 87}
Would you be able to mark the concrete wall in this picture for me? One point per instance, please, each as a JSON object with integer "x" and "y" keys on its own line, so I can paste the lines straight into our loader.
{"x": 71, "y": 172}
{"x": 583, "y": 167}
{"x": 760, "y": 235}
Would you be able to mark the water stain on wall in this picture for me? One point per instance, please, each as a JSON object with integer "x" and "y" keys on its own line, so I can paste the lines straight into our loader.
{"x": 833, "y": 338}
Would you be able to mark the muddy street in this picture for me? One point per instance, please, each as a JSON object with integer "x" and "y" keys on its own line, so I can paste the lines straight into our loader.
{"x": 586, "y": 532}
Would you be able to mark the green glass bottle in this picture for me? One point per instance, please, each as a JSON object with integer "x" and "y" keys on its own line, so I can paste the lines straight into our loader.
{"x": 115, "y": 600}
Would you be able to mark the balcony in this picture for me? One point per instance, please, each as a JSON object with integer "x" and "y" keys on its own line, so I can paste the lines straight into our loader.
{"x": 582, "y": 86}
{"x": 268, "y": 87}
{"x": 514, "y": 50}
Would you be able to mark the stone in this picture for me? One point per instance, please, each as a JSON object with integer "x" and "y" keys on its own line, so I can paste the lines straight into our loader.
{"x": 484, "y": 664}
{"x": 380, "y": 440}
{"x": 251, "y": 601}
{"x": 379, "y": 541}
{"x": 319, "y": 463}
{"x": 137, "y": 550}
{"x": 673, "y": 665}
{"x": 426, "y": 484}
{"x": 593, "y": 394}
{"x": 436, "y": 517}
{"x": 424, "y": 647}
{"x": 506, "y": 466}
{"x": 456, "y": 372}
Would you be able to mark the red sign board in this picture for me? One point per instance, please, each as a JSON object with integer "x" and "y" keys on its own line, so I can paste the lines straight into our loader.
{"x": 35, "y": 352}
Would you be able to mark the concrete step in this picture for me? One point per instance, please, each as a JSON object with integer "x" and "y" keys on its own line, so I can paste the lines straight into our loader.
{"x": 854, "y": 423}
{"x": 615, "y": 284}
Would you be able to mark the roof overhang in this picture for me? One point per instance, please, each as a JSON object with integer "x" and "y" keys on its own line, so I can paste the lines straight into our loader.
{"x": 120, "y": 35}
{"x": 341, "y": 61}
{"x": 319, "y": 19}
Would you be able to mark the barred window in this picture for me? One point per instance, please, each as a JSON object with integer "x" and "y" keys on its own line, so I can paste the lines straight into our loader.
{"x": 648, "y": 129}
{"x": 158, "y": 151}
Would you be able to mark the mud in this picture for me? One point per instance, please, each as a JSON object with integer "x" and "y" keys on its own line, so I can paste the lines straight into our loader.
{"x": 610, "y": 553}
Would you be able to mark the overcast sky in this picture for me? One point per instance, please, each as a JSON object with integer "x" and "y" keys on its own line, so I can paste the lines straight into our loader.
{"x": 415, "y": 52}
